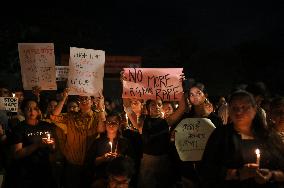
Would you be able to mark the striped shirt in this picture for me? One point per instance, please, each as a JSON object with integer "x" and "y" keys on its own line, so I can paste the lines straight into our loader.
{"x": 80, "y": 133}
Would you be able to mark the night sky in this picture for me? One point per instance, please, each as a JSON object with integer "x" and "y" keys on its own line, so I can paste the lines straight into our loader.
{"x": 220, "y": 43}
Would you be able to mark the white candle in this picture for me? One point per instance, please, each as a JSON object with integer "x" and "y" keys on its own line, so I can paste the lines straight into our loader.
{"x": 163, "y": 114}
{"x": 48, "y": 137}
{"x": 126, "y": 118}
{"x": 110, "y": 143}
{"x": 176, "y": 106}
{"x": 257, "y": 152}
{"x": 13, "y": 94}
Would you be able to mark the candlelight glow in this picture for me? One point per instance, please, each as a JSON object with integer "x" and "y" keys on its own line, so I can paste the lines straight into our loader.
{"x": 110, "y": 143}
{"x": 48, "y": 137}
{"x": 13, "y": 94}
{"x": 257, "y": 152}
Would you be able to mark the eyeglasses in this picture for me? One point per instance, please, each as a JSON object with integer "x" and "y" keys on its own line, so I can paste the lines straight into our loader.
{"x": 112, "y": 123}
{"x": 84, "y": 100}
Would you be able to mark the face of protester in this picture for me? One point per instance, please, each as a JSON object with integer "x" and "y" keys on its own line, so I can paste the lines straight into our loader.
{"x": 136, "y": 106}
{"x": 51, "y": 106}
{"x": 118, "y": 182}
{"x": 72, "y": 107}
{"x": 85, "y": 103}
{"x": 242, "y": 111}
{"x": 32, "y": 111}
{"x": 168, "y": 109}
{"x": 155, "y": 108}
{"x": 19, "y": 95}
{"x": 112, "y": 124}
{"x": 4, "y": 92}
{"x": 196, "y": 96}
{"x": 277, "y": 116}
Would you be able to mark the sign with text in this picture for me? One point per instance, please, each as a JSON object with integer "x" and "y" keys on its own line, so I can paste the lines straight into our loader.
{"x": 37, "y": 65}
{"x": 153, "y": 83}
{"x": 191, "y": 137}
{"x": 86, "y": 71}
{"x": 62, "y": 73}
{"x": 9, "y": 104}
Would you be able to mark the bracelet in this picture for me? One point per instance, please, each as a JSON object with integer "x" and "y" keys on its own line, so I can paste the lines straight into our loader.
{"x": 101, "y": 110}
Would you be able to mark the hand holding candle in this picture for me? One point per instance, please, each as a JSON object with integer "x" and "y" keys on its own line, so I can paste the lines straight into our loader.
{"x": 126, "y": 118}
{"x": 257, "y": 152}
{"x": 48, "y": 137}
{"x": 110, "y": 143}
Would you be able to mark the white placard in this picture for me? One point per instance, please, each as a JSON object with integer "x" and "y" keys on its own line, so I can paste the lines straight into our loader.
{"x": 9, "y": 104}
{"x": 86, "y": 71}
{"x": 191, "y": 137}
{"x": 62, "y": 73}
{"x": 37, "y": 65}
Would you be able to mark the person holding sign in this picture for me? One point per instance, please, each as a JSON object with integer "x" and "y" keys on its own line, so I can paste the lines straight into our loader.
{"x": 200, "y": 108}
{"x": 244, "y": 153}
{"x": 79, "y": 130}
{"x": 155, "y": 164}
{"x": 32, "y": 149}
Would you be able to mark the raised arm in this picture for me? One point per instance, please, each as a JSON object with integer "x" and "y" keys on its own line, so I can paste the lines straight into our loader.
{"x": 61, "y": 103}
{"x": 100, "y": 109}
{"x": 175, "y": 117}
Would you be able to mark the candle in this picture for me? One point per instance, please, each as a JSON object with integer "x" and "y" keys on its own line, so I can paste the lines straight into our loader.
{"x": 126, "y": 118}
{"x": 257, "y": 152}
{"x": 163, "y": 114}
{"x": 176, "y": 106}
{"x": 13, "y": 94}
{"x": 48, "y": 137}
{"x": 110, "y": 143}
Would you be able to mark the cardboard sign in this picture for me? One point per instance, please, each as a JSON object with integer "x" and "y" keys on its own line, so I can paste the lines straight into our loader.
{"x": 9, "y": 104}
{"x": 153, "y": 83}
{"x": 37, "y": 65}
{"x": 62, "y": 73}
{"x": 191, "y": 137}
{"x": 86, "y": 71}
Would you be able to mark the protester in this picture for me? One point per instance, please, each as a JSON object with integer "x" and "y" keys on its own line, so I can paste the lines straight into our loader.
{"x": 230, "y": 158}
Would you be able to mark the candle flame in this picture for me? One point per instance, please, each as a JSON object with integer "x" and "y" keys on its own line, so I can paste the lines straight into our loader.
{"x": 110, "y": 143}
{"x": 257, "y": 151}
{"x": 13, "y": 94}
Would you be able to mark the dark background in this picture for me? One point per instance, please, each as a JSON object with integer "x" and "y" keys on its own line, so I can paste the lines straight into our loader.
{"x": 220, "y": 43}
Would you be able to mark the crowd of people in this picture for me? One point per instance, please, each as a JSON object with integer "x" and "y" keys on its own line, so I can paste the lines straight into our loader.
{"x": 68, "y": 141}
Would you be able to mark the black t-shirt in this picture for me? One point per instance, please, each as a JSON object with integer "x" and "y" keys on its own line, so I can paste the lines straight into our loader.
{"x": 101, "y": 146}
{"x": 155, "y": 136}
{"x": 28, "y": 135}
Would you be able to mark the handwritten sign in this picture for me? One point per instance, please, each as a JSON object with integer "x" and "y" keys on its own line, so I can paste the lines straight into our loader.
{"x": 153, "y": 83}
{"x": 61, "y": 73}
{"x": 86, "y": 71}
{"x": 37, "y": 65}
{"x": 191, "y": 137}
{"x": 9, "y": 104}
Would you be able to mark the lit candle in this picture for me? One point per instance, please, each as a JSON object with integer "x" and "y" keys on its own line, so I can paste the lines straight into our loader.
{"x": 48, "y": 137}
{"x": 13, "y": 94}
{"x": 110, "y": 143}
{"x": 126, "y": 118}
{"x": 176, "y": 106}
{"x": 163, "y": 114}
{"x": 257, "y": 152}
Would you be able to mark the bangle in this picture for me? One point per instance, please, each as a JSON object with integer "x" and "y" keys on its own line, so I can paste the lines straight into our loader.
{"x": 98, "y": 111}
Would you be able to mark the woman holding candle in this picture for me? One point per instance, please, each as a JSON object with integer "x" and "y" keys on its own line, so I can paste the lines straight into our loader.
{"x": 32, "y": 149}
{"x": 109, "y": 146}
{"x": 233, "y": 152}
